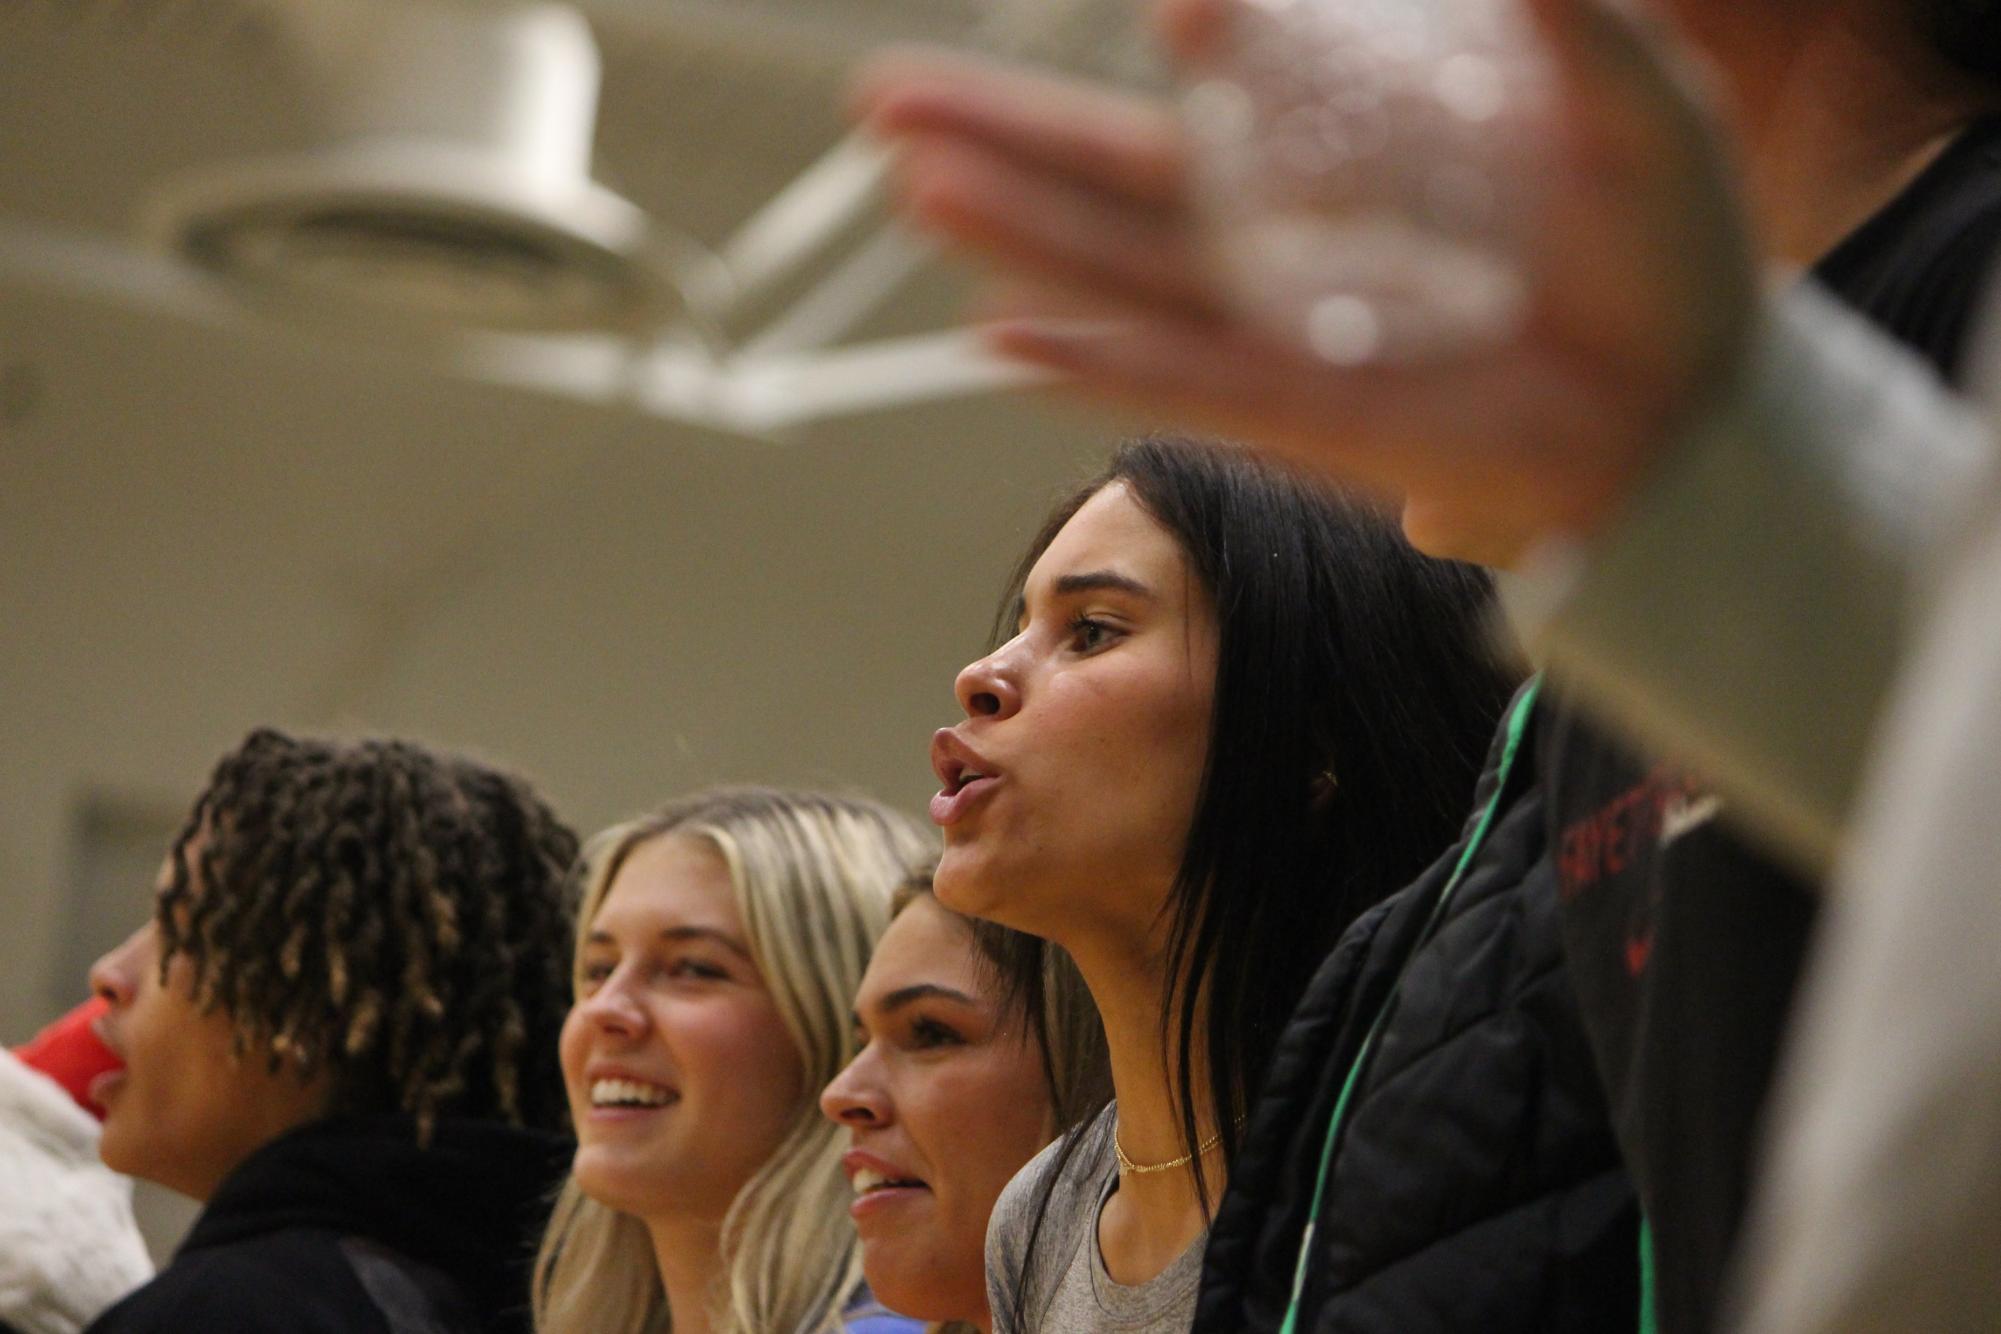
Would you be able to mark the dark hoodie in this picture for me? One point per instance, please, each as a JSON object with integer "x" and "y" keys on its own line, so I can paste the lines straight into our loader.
{"x": 347, "y": 1226}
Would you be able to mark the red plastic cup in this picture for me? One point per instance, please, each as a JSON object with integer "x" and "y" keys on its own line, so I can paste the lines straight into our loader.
{"x": 70, "y": 1052}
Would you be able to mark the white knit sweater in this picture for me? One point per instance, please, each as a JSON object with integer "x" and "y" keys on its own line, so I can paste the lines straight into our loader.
{"x": 68, "y": 1245}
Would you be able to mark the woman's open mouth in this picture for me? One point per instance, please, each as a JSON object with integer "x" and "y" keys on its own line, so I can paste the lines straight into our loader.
{"x": 877, "y": 1189}
{"x": 866, "y": 1182}
{"x": 617, "y": 1097}
{"x": 965, "y": 777}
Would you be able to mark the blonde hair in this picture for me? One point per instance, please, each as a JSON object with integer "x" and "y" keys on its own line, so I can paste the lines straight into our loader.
{"x": 813, "y": 875}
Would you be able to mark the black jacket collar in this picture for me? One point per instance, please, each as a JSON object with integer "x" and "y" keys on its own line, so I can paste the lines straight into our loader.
{"x": 470, "y": 1203}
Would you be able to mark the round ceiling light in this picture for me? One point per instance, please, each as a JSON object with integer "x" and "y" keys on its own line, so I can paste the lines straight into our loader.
{"x": 456, "y": 192}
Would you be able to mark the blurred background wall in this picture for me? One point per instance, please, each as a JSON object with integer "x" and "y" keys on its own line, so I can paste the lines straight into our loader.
{"x": 197, "y": 536}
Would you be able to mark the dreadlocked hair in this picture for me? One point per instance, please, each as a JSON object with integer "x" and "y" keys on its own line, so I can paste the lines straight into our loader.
{"x": 396, "y": 918}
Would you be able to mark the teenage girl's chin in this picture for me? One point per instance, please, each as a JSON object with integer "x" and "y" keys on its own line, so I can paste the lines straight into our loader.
{"x": 902, "y": 1275}
{"x": 614, "y": 1180}
{"x": 963, "y": 881}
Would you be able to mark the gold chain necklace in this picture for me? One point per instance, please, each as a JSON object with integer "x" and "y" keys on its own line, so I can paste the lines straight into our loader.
{"x": 1127, "y": 1167}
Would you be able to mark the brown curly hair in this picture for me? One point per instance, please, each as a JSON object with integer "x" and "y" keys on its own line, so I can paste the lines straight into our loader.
{"x": 398, "y": 918}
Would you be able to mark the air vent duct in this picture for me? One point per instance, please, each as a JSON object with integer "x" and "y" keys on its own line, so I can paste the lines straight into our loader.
{"x": 455, "y": 190}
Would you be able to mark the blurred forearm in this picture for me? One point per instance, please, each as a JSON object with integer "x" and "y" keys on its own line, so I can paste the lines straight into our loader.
{"x": 1747, "y": 611}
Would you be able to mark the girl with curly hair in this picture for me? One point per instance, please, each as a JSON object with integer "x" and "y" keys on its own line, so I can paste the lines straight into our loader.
{"x": 338, "y": 1032}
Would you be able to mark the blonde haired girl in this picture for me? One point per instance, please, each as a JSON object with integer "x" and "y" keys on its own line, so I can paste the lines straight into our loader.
{"x": 720, "y": 942}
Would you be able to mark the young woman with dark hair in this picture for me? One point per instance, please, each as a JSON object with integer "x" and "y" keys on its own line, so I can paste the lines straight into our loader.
{"x": 958, "y": 1083}
{"x": 1235, "y": 711}
{"x": 339, "y": 1033}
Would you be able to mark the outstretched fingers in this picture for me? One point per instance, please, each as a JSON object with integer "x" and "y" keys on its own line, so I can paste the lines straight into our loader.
{"x": 1194, "y": 31}
{"x": 1030, "y": 222}
{"x": 1124, "y": 146}
{"x": 1479, "y": 438}
{"x": 1221, "y": 376}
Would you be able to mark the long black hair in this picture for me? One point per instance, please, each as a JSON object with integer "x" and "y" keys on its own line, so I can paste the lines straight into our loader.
{"x": 1357, "y": 688}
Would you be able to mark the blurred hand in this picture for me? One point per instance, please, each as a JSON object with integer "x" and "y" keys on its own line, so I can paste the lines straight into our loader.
{"x": 1644, "y": 284}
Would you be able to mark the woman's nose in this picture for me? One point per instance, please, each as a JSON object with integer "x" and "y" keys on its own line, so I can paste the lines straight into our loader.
{"x": 611, "y": 1009}
{"x": 855, "y": 1096}
{"x": 990, "y": 687}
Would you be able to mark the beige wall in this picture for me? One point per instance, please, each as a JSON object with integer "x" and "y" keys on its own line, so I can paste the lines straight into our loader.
{"x": 199, "y": 533}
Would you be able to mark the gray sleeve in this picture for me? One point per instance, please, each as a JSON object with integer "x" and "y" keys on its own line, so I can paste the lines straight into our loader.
{"x": 1748, "y": 610}
{"x": 1879, "y": 1211}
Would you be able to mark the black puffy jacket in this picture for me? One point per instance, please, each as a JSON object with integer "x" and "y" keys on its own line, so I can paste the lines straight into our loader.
{"x": 1476, "y": 1187}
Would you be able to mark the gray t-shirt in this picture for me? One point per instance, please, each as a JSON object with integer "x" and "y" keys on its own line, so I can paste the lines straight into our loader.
{"x": 1066, "y": 1288}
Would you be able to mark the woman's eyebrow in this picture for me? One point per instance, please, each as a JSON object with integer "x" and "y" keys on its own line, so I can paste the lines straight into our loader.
{"x": 903, "y": 996}
{"x": 678, "y": 934}
{"x": 1087, "y": 581}
{"x": 1092, "y": 581}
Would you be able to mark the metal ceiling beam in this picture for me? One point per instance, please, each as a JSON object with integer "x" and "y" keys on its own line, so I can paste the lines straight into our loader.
{"x": 756, "y": 394}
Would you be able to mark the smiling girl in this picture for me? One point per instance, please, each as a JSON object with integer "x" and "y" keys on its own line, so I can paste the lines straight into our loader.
{"x": 960, "y": 1081}
{"x": 719, "y": 944}
{"x": 1234, "y": 710}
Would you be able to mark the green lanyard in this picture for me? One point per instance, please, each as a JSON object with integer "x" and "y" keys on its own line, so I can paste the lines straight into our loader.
{"x": 1650, "y": 1310}
{"x": 1518, "y": 721}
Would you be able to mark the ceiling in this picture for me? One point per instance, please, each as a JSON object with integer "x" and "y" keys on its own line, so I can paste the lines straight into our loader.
{"x": 708, "y": 112}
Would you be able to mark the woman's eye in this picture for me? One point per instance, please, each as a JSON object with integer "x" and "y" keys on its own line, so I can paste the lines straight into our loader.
{"x": 697, "y": 970}
{"x": 931, "y": 1033}
{"x": 594, "y": 973}
{"x": 1087, "y": 633}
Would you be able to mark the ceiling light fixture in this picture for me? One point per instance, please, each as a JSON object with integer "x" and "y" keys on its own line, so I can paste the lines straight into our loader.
{"x": 455, "y": 190}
